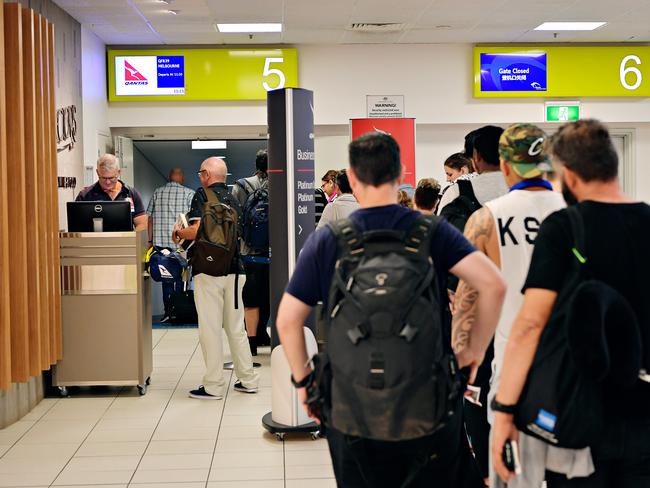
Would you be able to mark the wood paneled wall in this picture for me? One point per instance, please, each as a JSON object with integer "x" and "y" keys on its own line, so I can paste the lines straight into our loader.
{"x": 5, "y": 305}
{"x": 30, "y": 314}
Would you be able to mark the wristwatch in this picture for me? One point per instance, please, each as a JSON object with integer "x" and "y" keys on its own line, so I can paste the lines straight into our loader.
{"x": 303, "y": 382}
{"x": 500, "y": 407}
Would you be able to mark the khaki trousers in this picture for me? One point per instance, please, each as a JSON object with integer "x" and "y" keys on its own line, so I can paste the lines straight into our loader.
{"x": 215, "y": 305}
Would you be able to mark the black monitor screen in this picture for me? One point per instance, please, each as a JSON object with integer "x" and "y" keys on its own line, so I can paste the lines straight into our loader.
{"x": 99, "y": 216}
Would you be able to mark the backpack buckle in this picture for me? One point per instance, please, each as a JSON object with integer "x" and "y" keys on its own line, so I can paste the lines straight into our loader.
{"x": 357, "y": 333}
{"x": 408, "y": 332}
{"x": 352, "y": 240}
{"x": 376, "y": 380}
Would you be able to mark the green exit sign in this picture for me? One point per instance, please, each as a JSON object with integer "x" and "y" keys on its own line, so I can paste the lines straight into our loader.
{"x": 562, "y": 111}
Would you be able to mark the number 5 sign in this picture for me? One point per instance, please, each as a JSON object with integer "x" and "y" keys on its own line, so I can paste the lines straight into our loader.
{"x": 212, "y": 74}
{"x": 577, "y": 72}
{"x": 268, "y": 71}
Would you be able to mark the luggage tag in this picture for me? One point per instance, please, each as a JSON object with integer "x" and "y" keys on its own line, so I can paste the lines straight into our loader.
{"x": 472, "y": 395}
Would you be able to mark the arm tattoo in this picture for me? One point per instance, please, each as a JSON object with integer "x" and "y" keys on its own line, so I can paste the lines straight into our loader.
{"x": 479, "y": 228}
{"x": 464, "y": 316}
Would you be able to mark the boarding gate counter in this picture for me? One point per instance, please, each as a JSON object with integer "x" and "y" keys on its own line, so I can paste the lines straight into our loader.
{"x": 106, "y": 311}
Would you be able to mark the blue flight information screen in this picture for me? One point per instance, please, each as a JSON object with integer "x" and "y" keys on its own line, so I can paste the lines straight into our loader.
{"x": 171, "y": 71}
{"x": 513, "y": 72}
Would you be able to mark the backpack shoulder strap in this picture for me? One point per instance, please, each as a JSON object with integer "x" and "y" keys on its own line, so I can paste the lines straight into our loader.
{"x": 578, "y": 233}
{"x": 349, "y": 240}
{"x": 211, "y": 195}
{"x": 418, "y": 238}
{"x": 264, "y": 185}
{"x": 465, "y": 189}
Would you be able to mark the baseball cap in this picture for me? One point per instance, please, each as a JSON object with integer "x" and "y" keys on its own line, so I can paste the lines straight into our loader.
{"x": 522, "y": 146}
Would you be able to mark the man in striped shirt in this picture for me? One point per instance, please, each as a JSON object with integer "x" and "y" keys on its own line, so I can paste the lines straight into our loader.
{"x": 166, "y": 203}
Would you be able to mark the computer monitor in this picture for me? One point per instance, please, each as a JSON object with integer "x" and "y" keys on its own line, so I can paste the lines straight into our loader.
{"x": 99, "y": 216}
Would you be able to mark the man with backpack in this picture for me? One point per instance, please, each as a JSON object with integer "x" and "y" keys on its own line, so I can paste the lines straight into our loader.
{"x": 459, "y": 202}
{"x": 387, "y": 388}
{"x": 505, "y": 230}
{"x": 253, "y": 196}
{"x": 215, "y": 228}
{"x": 602, "y": 240}
{"x": 465, "y": 196}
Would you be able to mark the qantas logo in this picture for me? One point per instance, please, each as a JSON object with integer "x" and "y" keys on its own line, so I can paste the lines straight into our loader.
{"x": 132, "y": 76}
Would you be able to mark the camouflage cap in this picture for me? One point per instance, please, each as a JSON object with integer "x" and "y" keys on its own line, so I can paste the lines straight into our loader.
{"x": 522, "y": 146}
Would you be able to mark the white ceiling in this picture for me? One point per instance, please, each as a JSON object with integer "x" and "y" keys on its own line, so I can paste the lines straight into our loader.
{"x": 326, "y": 21}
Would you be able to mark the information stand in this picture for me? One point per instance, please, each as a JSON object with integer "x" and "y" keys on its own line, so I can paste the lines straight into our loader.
{"x": 291, "y": 220}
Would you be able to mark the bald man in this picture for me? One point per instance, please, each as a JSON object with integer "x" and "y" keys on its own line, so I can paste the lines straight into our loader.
{"x": 215, "y": 297}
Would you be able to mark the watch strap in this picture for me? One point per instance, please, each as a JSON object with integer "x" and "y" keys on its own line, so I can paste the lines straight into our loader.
{"x": 303, "y": 382}
{"x": 500, "y": 407}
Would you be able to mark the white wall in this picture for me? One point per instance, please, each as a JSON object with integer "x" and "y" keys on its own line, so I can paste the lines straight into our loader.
{"x": 436, "y": 81}
{"x": 94, "y": 94}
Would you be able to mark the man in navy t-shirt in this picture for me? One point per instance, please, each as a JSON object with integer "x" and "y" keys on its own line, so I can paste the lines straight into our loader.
{"x": 374, "y": 173}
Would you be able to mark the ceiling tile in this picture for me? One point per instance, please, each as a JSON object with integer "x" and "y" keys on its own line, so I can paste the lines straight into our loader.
{"x": 312, "y": 36}
{"x": 299, "y": 14}
{"x": 370, "y": 38}
{"x": 242, "y": 11}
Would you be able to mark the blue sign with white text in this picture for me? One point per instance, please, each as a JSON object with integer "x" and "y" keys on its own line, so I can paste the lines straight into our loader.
{"x": 513, "y": 72}
{"x": 171, "y": 71}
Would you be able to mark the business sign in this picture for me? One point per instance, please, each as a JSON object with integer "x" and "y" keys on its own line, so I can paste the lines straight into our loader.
{"x": 402, "y": 130}
{"x": 561, "y": 71}
{"x": 199, "y": 74}
{"x": 512, "y": 72}
{"x": 385, "y": 106}
{"x": 291, "y": 185}
{"x": 149, "y": 75}
{"x": 561, "y": 111}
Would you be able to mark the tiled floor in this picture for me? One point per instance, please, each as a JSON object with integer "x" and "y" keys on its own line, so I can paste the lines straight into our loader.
{"x": 116, "y": 438}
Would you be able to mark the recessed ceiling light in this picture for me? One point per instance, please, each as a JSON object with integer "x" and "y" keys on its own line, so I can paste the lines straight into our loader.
{"x": 569, "y": 26}
{"x": 249, "y": 28}
{"x": 209, "y": 144}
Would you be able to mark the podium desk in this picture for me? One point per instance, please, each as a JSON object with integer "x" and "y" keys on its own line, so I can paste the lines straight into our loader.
{"x": 105, "y": 311}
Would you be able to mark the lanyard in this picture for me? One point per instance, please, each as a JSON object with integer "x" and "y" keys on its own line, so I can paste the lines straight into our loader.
{"x": 533, "y": 182}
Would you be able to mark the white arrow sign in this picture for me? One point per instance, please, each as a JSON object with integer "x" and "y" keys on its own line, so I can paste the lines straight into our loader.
{"x": 299, "y": 229}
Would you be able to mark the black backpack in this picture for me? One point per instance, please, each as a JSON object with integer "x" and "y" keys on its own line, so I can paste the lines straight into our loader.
{"x": 386, "y": 374}
{"x": 216, "y": 243}
{"x": 562, "y": 400}
{"x": 256, "y": 216}
{"x": 458, "y": 211}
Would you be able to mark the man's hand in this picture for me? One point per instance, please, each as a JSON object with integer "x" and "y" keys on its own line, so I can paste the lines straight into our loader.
{"x": 175, "y": 237}
{"x": 302, "y": 398}
{"x": 468, "y": 358}
{"x": 503, "y": 430}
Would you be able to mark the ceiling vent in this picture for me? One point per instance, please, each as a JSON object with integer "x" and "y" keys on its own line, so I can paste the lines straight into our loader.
{"x": 377, "y": 28}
